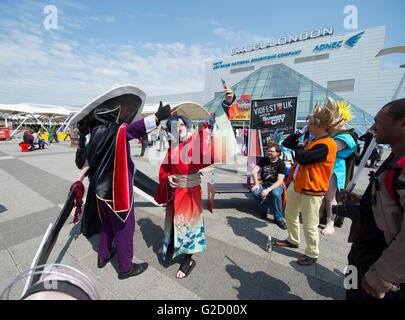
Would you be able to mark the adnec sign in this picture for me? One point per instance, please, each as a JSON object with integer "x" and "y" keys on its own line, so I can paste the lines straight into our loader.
{"x": 338, "y": 44}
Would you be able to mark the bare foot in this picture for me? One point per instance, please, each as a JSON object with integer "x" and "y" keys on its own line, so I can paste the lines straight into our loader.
{"x": 180, "y": 274}
{"x": 329, "y": 229}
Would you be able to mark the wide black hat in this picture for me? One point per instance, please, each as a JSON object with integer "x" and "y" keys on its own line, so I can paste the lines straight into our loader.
{"x": 126, "y": 101}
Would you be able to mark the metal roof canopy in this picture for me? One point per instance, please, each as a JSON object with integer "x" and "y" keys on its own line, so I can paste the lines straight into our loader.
{"x": 38, "y": 112}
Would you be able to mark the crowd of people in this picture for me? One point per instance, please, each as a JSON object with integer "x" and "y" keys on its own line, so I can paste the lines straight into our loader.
{"x": 34, "y": 138}
{"x": 324, "y": 157}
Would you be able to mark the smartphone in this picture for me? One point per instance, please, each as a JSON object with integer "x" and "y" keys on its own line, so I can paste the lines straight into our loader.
{"x": 223, "y": 83}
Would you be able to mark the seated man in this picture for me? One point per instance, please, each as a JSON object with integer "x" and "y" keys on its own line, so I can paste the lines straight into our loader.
{"x": 29, "y": 139}
{"x": 272, "y": 176}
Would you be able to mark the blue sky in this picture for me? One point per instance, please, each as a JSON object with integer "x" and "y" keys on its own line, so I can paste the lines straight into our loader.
{"x": 159, "y": 46}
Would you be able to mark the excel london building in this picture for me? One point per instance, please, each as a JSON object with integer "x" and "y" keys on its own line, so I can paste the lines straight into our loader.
{"x": 309, "y": 65}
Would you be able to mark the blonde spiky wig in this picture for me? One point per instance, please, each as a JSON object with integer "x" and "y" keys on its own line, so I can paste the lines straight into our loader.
{"x": 345, "y": 110}
{"x": 326, "y": 115}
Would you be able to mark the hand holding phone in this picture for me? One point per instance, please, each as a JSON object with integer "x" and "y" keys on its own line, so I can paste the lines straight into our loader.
{"x": 229, "y": 96}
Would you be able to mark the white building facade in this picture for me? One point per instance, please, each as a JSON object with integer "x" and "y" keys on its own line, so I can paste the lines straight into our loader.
{"x": 344, "y": 64}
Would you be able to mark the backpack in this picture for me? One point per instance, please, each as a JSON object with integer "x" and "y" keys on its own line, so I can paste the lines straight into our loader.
{"x": 392, "y": 184}
{"x": 391, "y": 179}
{"x": 350, "y": 160}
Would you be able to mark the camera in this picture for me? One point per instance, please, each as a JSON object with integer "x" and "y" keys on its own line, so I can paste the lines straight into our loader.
{"x": 350, "y": 210}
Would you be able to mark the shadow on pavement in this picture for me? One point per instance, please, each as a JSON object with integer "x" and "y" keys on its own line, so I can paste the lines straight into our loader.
{"x": 247, "y": 228}
{"x": 323, "y": 288}
{"x": 2, "y": 209}
{"x": 259, "y": 285}
{"x": 74, "y": 234}
{"x": 153, "y": 235}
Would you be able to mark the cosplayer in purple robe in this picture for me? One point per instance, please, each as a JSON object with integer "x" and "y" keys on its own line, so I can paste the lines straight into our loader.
{"x": 107, "y": 161}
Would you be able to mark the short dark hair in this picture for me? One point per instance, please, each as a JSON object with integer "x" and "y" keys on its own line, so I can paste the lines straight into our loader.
{"x": 396, "y": 109}
{"x": 274, "y": 145}
{"x": 174, "y": 119}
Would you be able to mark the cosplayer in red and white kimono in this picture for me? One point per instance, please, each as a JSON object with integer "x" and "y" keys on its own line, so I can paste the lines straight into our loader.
{"x": 179, "y": 183}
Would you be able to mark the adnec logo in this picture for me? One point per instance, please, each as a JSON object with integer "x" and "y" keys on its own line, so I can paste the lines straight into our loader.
{"x": 338, "y": 44}
{"x": 353, "y": 40}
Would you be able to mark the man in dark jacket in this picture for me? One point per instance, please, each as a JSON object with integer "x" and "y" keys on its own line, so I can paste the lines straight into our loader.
{"x": 378, "y": 250}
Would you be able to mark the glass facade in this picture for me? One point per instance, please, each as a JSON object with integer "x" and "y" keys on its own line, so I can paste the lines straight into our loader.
{"x": 278, "y": 81}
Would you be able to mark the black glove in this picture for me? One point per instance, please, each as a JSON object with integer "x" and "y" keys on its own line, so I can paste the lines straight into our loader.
{"x": 163, "y": 112}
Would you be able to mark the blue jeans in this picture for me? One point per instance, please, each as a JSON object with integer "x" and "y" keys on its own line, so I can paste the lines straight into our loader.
{"x": 274, "y": 198}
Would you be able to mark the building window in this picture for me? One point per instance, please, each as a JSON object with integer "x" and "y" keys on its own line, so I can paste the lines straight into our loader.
{"x": 244, "y": 69}
{"x": 341, "y": 85}
{"x": 312, "y": 58}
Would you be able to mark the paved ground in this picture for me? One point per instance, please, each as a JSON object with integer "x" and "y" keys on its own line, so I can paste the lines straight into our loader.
{"x": 34, "y": 187}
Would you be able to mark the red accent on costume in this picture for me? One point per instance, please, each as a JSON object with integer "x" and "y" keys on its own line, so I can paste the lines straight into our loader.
{"x": 121, "y": 201}
{"x": 79, "y": 192}
{"x": 389, "y": 178}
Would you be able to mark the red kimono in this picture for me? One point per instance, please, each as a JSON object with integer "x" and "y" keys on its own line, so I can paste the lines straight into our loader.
{"x": 184, "y": 204}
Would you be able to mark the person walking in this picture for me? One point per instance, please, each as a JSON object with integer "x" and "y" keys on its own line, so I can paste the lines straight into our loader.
{"x": 162, "y": 139}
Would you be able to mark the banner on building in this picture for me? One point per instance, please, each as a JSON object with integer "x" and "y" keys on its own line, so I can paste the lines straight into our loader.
{"x": 270, "y": 120}
{"x": 241, "y": 109}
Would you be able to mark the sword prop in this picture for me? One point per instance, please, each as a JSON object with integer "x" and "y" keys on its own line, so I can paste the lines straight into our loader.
{"x": 145, "y": 187}
{"x": 50, "y": 237}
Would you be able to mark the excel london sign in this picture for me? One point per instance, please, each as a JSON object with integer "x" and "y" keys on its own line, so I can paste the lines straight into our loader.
{"x": 302, "y": 36}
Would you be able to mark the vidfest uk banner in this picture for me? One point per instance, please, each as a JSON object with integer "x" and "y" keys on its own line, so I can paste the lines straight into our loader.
{"x": 270, "y": 120}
